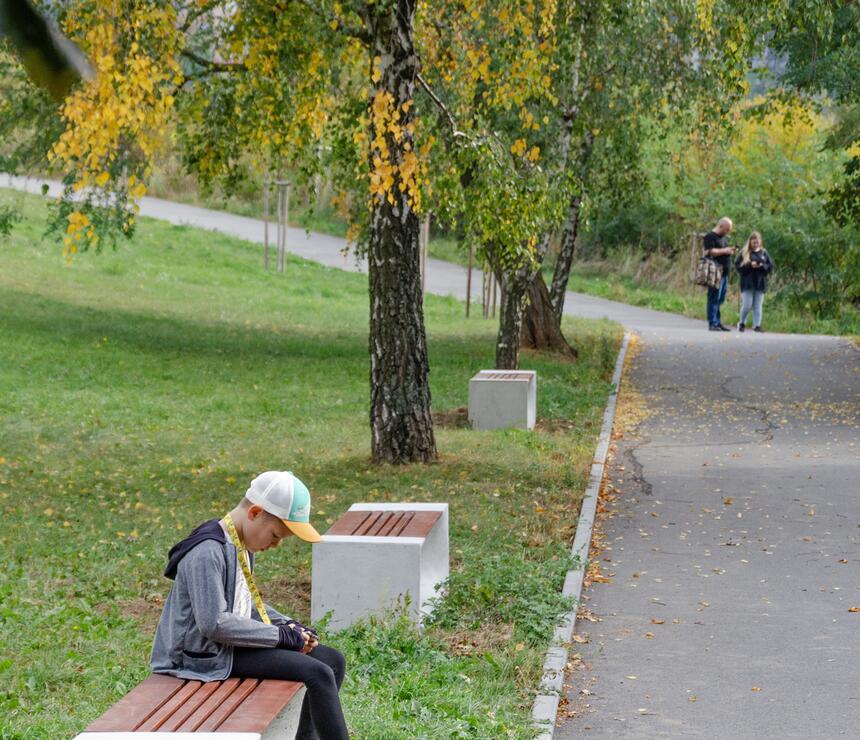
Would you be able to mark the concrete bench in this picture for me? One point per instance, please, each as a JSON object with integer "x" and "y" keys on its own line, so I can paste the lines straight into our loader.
{"x": 376, "y": 556}
{"x": 503, "y": 399}
{"x": 234, "y": 709}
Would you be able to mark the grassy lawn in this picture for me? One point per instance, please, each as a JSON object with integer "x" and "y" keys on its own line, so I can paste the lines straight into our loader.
{"x": 140, "y": 390}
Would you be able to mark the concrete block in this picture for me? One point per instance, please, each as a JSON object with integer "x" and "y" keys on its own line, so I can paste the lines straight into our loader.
{"x": 503, "y": 399}
{"x": 358, "y": 574}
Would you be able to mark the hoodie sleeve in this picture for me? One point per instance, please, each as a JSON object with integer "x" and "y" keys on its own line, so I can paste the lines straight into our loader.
{"x": 203, "y": 571}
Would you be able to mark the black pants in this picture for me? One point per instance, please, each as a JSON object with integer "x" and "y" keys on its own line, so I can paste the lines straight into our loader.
{"x": 321, "y": 670}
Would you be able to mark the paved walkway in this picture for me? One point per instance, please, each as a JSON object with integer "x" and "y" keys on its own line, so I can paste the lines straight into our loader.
{"x": 736, "y": 531}
{"x": 733, "y": 549}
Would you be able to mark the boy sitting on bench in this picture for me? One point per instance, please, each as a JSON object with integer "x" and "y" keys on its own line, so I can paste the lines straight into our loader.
{"x": 215, "y": 625}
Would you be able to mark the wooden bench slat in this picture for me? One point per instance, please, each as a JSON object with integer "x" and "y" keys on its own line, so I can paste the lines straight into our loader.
{"x": 393, "y": 521}
{"x": 189, "y": 707}
{"x": 380, "y": 524}
{"x": 368, "y": 523}
{"x": 349, "y": 522}
{"x": 165, "y": 712}
{"x": 398, "y": 528}
{"x": 228, "y": 706}
{"x": 262, "y": 706}
{"x": 421, "y": 524}
{"x": 138, "y": 705}
{"x": 213, "y": 701}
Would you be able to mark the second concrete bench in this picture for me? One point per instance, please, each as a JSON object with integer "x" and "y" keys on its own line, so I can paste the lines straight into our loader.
{"x": 377, "y": 556}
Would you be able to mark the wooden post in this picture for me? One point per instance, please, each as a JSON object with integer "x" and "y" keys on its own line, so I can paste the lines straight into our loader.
{"x": 469, "y": 281}
{"x": 282, "y": 189}
{"x": 485, "y": 291}
{"x": 494, "y": 286}
{"x": 265, "y": 225}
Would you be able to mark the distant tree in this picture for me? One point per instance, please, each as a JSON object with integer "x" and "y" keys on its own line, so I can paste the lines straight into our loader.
{"x": 821, "y": 42}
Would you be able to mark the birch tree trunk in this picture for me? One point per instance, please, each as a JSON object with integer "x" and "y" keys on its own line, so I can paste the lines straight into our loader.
{"x": 400, "y": 421}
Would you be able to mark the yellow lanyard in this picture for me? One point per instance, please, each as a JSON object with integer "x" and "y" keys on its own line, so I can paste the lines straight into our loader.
{"x": 246, "y": 568}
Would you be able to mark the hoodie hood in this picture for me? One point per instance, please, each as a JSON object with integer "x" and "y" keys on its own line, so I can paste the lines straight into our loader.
{"x": 210, "y": 530}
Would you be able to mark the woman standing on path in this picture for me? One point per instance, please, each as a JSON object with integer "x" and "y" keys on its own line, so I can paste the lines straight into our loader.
{"x": 754, "y": 266}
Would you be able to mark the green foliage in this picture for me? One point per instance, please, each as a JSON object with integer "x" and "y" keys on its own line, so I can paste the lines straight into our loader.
{"x": 821, "y": 41}
{"x": 770, "y": 177}
{"x": 507, "y": 587}
{"x": 405, "y": 683}
{"x": 8, "y": 218}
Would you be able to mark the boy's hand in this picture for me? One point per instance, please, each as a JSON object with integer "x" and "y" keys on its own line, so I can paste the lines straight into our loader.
{"x": 299, "y": 626}
{"x": 311, "y": 642}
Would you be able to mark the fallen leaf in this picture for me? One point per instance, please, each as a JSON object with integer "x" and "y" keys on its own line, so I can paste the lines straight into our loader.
{"x": 728, "y": 501}
{"x": 756, "y": 688}
{"x": 658, "y": 621}
{"x": 649, "y": 635}
{"x": 854, "y": 609}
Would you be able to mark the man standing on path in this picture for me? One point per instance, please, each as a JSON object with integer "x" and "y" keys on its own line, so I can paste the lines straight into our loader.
{"x": 717, "y": 247}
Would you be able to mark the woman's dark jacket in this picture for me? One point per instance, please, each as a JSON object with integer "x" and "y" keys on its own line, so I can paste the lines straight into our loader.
{"x": 755, "y": 278}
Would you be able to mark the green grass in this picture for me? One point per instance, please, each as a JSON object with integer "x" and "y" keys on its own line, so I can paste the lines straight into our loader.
{"x": 140, "y": 390}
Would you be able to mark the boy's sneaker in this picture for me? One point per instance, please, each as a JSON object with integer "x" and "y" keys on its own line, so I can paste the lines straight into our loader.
{"x": 759, "y": 330}
{"x": 741, "y": 327}
{"x": 723, "y": 327}
{"x": 714, "y": 327}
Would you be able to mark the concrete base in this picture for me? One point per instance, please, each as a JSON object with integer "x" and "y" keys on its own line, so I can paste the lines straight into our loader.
{"x": 503, "y": 399}
{"x": 355, "y": 576}
{"x": 286, "y": 724}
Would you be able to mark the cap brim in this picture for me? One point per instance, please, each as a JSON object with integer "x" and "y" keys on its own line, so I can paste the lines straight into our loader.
{"x": 303, "y": 531}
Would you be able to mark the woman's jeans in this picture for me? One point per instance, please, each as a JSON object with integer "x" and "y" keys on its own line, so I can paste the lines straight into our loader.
{"x": 752, "y": 300}
{"x": 321, "y": 670}
{"x": 716, "y": 296}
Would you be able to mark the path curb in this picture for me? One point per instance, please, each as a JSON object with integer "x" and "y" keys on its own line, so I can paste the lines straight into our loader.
{"x": 545, "y": 705}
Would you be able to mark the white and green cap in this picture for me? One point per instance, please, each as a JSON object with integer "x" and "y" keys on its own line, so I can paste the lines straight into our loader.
{"x": 283, "y": 495}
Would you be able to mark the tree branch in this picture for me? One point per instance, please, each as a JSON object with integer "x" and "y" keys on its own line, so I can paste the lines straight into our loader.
{"x": 212, "y": 65}
{"x": 455, "y": 132}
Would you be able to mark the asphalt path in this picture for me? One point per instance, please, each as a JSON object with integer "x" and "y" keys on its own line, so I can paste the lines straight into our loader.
{"x": 732, "y": 547}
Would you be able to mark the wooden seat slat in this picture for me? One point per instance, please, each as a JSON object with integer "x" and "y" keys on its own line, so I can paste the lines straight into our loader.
{"x": 224, "y": 710}
{"x": 368, "y": 523}
{"x": 138, "y": 705}
{"x": 165, "y": 712}
{"x": 261, "y": 707}
{"x": 189, "y": 707}
{"x": 223, "y": 691}
{"x": 376, "y": 529}
{"x": 386, "y": 529}
{"x": 349, "y": 523}
{"x": 398, "y": 528}
{"x": 421, "y": 524}
{"x": 385, "y": 523}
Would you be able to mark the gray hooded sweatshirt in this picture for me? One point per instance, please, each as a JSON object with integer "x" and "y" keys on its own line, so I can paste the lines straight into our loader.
{"x": 198, "y": 629}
